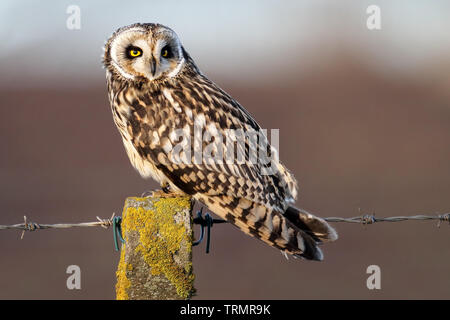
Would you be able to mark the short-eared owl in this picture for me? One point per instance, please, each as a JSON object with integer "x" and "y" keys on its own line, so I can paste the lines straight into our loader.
{"x": 156, "y": 92}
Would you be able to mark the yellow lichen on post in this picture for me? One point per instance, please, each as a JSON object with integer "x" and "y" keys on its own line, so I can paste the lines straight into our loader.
{"x": 122, "y": 281}
{"x": 156, "y": 259}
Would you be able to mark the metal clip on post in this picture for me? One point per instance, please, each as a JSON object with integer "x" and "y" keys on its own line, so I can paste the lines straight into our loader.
{"x": 208, "y": 222}
{"x": 117, "y": 231}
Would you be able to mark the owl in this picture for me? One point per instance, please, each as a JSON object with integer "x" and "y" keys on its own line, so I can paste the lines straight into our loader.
{"x": 159, "y": 97}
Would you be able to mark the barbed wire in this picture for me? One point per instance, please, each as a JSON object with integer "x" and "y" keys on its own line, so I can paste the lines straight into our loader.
{"x": 370, "y": 219}
{"x": 33, "y": 226}
{"x": 106, "y": 223}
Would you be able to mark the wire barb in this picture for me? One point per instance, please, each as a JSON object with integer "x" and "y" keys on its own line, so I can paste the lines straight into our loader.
{"x": 444, "y": 218}
{"x": 106, "y": 223}
{"x": 28, "y": 226}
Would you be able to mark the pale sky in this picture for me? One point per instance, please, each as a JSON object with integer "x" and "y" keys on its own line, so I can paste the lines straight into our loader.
{"x": 251, "y": 39}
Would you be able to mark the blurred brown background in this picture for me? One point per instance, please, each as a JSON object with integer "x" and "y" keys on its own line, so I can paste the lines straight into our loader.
{"x": 364, "y": 120}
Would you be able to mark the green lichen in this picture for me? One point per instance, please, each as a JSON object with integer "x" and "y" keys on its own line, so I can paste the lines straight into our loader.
{"x": 160, "y": 239}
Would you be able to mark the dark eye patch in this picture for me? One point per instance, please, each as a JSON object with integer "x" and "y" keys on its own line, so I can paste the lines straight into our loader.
{"x": 131, "y": 48}
{"x": 167, "y": 52}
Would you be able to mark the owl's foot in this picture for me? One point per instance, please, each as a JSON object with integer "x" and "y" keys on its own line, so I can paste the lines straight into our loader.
{"x": 165, "y": 192}
{"x": 168, "y": 193}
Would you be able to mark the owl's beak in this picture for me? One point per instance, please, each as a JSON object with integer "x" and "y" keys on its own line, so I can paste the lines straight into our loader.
{"x": 153, "y": 66}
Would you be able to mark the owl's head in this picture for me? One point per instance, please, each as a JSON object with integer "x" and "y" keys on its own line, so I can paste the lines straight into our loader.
{"x": 144, "y": 52}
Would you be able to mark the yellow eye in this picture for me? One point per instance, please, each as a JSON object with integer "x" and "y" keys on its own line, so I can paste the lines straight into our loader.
{"x": 135, "y": 53}
{"x": 165, "y": 53}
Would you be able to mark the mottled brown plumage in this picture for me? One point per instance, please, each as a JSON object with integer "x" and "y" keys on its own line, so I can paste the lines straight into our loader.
{"x": 161, "y": 91}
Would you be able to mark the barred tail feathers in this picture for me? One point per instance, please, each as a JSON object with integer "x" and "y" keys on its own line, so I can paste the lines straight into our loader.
{"x": 269, "y": 226}
{"x": 314, "y": 226}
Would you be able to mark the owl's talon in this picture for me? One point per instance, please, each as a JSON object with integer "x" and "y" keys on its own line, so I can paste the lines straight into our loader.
{"x": 164, "y": 194}
{"x": 166, "y": 188}
{"x": 146, "y": 194}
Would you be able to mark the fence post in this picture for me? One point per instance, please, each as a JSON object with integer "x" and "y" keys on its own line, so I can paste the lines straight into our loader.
{"x": 156, "y": 258}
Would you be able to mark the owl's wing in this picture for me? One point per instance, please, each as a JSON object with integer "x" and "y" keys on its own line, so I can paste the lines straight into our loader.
{"x": 200, "y": 103}
{"x": 239, "y": 191}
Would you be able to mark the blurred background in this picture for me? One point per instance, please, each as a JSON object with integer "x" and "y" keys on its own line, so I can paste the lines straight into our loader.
{"x": 364, "y": 119}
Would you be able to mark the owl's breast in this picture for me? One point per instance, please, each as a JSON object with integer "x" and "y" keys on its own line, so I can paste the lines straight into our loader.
{"x": 135, "y": 128}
